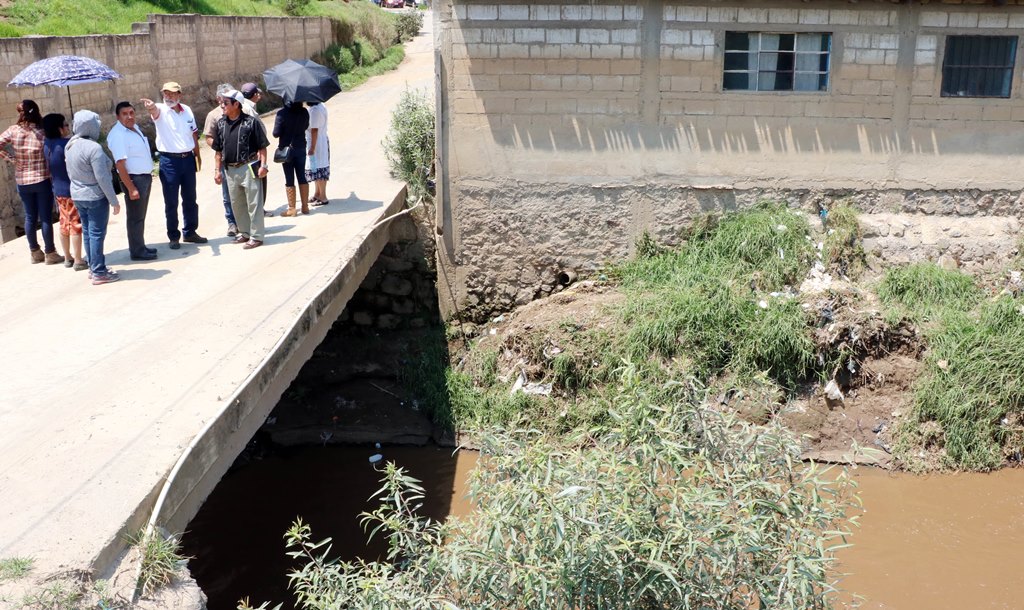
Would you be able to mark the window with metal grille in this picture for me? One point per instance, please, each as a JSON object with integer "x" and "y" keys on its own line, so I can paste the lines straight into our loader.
{"x": 978, "y": 66}
{"x": 757, "y": 61}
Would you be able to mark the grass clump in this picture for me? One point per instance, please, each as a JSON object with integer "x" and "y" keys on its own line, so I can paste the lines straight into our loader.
{"x": 843, "y": 247}
{"x": 925, "y": 292}
{"x": 12, "y": 568}
{"x": 161, "y": 560}
{"x": 973, "y": 389}
{"x": 711, "y": 298}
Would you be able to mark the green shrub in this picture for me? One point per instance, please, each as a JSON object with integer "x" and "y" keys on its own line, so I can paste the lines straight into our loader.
{"x": 409, "y": 145}
{"x": 925, "y": 292}
{"x": 973, "y": 387}
{"x": 408, "y": 25}
{"x": 368, "y": 53}
{"x": 345, "y": 61}
{"x": 669, "y": 505}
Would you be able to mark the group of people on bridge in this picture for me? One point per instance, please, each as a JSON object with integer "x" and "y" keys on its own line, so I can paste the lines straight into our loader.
{"x": 62, "y": 167}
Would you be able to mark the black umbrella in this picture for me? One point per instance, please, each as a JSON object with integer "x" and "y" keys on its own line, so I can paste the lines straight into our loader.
{"x": 302, "y": 81}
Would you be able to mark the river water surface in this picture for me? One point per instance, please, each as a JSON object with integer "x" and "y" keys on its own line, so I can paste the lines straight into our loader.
{"x": 940, "y": 542}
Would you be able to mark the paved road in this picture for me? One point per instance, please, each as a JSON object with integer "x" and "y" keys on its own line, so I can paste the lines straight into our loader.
{"x": 101, "y": 387}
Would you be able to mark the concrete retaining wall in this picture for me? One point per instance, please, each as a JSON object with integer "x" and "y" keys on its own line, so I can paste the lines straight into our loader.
{"x": 196, "y": 51}
{"x": 567, "y": 130}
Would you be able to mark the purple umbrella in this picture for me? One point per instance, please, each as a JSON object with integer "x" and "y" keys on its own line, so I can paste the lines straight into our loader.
{"x": 63, "y": 71}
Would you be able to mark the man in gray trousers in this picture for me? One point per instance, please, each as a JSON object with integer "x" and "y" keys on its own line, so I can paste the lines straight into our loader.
{"x": 130, "y": 149}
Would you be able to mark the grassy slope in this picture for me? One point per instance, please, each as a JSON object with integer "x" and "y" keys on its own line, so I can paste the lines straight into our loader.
{"x": 49, "y": 17}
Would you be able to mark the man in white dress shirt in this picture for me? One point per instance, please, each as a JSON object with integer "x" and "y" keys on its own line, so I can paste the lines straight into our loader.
{"x": 134, "y": 162}
{"x": 177, "y": 141}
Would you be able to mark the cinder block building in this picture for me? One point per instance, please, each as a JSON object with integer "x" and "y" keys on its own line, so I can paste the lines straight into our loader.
{"x": 566, "y": 130}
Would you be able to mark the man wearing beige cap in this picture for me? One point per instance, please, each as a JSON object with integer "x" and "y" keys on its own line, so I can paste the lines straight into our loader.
{"x": 177, "y": 142}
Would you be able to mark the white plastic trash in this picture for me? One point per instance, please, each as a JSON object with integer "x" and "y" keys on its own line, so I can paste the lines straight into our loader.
{"x": 832, "y": 390}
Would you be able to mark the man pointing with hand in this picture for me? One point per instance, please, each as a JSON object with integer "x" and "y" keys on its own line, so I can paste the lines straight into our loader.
{"x": 177, "y": 142}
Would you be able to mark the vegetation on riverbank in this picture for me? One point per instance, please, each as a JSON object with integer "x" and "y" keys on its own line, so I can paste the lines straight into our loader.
{"x": 968, "y": 406}
{"x": 667, "y": 504}
{"x": 723, "y": 306}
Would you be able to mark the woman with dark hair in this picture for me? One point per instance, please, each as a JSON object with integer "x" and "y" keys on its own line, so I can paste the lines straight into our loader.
{"x": 31, "y": 174}
{"x": 290, "y": 130}
{"x": 57, "y": 131}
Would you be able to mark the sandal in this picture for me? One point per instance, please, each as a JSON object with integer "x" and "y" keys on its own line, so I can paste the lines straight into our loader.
{"x": 317, "y": 202}
{"x": 240, "y": 239}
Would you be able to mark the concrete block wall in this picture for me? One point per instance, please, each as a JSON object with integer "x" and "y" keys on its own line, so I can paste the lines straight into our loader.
{"x": 197, "y": 51}
{"x": 567, "y": 130}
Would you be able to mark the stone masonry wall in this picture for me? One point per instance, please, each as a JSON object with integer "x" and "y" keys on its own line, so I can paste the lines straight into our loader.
{"x": 566, "y": 130}
{"x": 197, "y": 51}
{"x": 399, "y": 291}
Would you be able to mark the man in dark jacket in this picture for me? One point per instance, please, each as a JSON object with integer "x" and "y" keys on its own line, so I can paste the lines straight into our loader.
{"x": 240, "y": 143}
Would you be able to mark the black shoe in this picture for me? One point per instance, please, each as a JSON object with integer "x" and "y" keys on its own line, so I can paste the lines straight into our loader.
{"x": 150, "y": 250}
{"x": 148, "y": 256}
{"x": 175, "y": 245}
{"x": 194, "y": 238}
{"x": 232, "y": 229}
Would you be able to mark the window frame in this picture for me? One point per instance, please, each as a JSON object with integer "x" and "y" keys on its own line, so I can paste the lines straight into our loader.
{"x": 944, "y": 67}
{"x": 755, "y": 73}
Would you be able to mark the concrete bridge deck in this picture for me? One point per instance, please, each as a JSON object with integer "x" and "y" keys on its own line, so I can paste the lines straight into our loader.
{"x": 103, "y": 387}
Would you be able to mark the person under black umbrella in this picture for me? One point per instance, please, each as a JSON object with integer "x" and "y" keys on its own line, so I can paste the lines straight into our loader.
{"x": 290, "y": 126}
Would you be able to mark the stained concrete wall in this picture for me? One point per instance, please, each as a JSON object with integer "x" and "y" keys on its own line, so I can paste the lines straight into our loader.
{"x": 567, "y": 130}
{"x": 196, "y": 51}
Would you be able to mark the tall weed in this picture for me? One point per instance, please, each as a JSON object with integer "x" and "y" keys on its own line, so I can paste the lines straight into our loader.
{"x": 973, "y": 387}
{"x": 843, "y": 247}
{"x": 708, "y": 301}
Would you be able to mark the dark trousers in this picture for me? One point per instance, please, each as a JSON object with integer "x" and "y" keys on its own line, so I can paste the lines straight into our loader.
{"x": 37, "y": 201}
{"x": 229, "y": 214}
{"x": 135, "y": 214}
{"x": 178, "y": 174}
{"x": 295, "y": 167}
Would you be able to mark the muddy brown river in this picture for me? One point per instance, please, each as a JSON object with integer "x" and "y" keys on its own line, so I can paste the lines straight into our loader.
{"x": 938, "y": 542}
{"x": 941, "y": 542}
